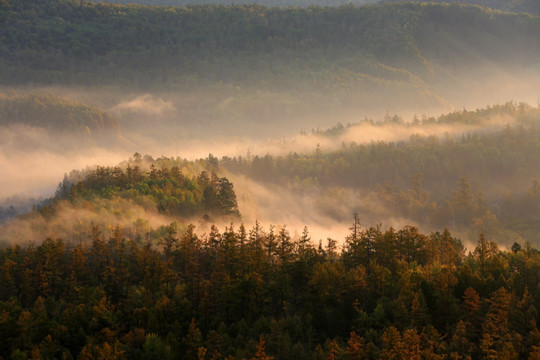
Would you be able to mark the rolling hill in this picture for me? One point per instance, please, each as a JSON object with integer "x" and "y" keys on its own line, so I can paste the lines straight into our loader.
{"x": 79, "y": 42}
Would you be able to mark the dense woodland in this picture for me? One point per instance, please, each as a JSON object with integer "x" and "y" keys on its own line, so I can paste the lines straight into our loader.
{"x": 485, "y": 180}
{"x": 76, "y": 42}
{"x": 99, "y": 271}
{"x": 269, "y": 3}
{"x": 258, "y": 294}
{"x": 165, "y": 189}
{"x": 529, "y": 6}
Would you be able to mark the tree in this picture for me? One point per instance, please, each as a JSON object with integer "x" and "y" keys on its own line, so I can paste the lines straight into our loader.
{"x": 304, "y": 244}
{"x": 334, "y": 350}
{"x": 355, "y": 349}
{"x": 285, "y": 247}
{"x": 170, "y": 241}
{"x": 259, "y": 353}
{"x": 497, "y": 341}
{"x": 460, "y": 346}
{"x": 462, "y": 202}
{"x": 192, "y": 341}
{"x": 483, "y": 251}
{"x": 392, "y": 345}
{"x": 226, "y": 198}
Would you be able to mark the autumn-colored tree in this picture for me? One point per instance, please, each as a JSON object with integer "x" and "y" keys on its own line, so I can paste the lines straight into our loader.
{"x": 334, "y": 350}
{"x": 497, "y": 339}
{"x": 460, "y": 346}
{"x": 260, "y": 354}
{"x": 355, "y": 349}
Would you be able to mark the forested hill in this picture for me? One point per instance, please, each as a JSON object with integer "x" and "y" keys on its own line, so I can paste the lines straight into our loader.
{"x": 55, "y": 114}
{"x": 165, "y": 189}
{"x": 530, "y": 6}
{"x": 53, "y": 123}
{"x": 479, "y": 181}
{"x": 527, "y": 6}
{"x": 269, "y": 3}
{"x": 79, "y": 42}
{"x": 142, "y": 193}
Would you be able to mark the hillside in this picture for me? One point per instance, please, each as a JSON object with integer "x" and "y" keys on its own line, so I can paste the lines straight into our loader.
{"x": 55, "y": 114}
{"x": 53, "y": 123}
{"x": 140, "y": 194}
{"x": 525, "y": 6}
{"x": 73, "y": 42}
{"x": 269, "y": 3}
{"x": 471, "y": 171}
{"x": 167, "y": 189}
{"x": 373, "y": 236}
{"x": 530, "y": 6}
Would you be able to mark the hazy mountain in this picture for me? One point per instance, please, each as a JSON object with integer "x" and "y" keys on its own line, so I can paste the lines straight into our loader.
{"x": 38, "y": 120}
{"x": 55, "y": 114}
{"x": 269, "y": 3}
{"x": 77, "y": 42}
{"x": 530, "y": 6}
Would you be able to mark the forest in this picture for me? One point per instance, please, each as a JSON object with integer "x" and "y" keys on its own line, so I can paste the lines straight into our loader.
{"x": 262, "y": 294}
{"x": 173, "y": 193}
{"x": 529, "y": 6}
{"x": 274, "y": 3}
{"x": 288, "y": 179}
{"x": 137, "y": 290}
{"x": 484, "y": 181}
{"x": 77, "y": 42}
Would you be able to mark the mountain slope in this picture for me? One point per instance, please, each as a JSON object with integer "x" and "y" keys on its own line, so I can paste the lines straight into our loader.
{"x": 55, "y": 114}
{"x": 67, "y": 41}
{"x": 34, "y": 121}
{"x": 526, "y": 6}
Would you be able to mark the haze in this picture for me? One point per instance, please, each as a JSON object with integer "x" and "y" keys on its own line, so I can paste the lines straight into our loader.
{"x": 270, "y": 94}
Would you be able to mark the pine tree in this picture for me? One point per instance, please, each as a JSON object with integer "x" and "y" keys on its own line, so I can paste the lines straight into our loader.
{"x": 355, "y": 347}
{"x": 496, "y": 342}
{"x": 192, "y": 341}
{"x": 334, "y": 350}
{"x": 259, "y": 353}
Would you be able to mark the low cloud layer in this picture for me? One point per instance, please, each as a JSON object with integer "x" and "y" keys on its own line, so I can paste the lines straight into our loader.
{"x": 145, "y": 105}
{"x": 39, "y": 172}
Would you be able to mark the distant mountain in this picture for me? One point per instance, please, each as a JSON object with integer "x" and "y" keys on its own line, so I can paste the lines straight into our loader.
{"x": 55, "y": 113}
{"x": 269, "y": 3}
{"x": 361, "y": 55}
{"x": 66, "y": 41}
{"x": 531, "y": 6}
{"x": 527, "y": 6}
{"x": 37, "y": 120}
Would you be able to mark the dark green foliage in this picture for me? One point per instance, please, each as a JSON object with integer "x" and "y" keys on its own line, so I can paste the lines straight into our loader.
{"x": 220, "y": 295}
{"x": 530, "y": 6}
{"x": 344, "y": 47}
{"x": 269, "y": 3}
{"x": 170, "y": 191}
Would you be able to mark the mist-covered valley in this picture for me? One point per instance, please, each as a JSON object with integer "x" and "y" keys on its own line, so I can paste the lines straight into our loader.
{"x": 316, "y": 177}
{"x": 285, "y": 179}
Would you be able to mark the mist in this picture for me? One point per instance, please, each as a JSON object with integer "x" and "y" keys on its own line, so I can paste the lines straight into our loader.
{"x": 37, "y": 173}
{"x": 230, "y": 122}
{"x": 34, "y": 160}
